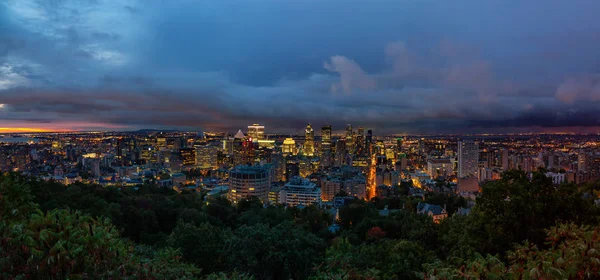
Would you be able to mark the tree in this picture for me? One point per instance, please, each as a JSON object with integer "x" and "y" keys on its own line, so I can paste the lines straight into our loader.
{"x": 63, "y": 244}
{"x": 573, "y": 253}
{"x": 517, "y": 208}
{"x": 202, "y": 245}
{"x": 280, "y": 252}
{"x": 385, "y": 259}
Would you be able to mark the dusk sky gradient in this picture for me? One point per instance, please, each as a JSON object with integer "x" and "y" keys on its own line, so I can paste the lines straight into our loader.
{"x": 415, "y": 66}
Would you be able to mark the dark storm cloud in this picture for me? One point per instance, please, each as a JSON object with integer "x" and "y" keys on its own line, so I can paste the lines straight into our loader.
{"x": 396, "y": 66}
{"x": 547, "y": 117}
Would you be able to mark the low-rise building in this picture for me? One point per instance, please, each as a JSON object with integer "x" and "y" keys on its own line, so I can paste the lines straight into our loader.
{"x": 436, "y": 212}
{"x": 299, "y": 191}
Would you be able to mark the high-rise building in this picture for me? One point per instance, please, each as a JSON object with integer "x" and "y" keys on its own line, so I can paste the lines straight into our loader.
{"x": 207, "y": 157}
{"x": 369, "y": 141}
{"x": 326, "y": 146}
{"x": 349, "y": 139}
{"x": 289, "y": 147}
{"x": 359, "y": 143}
{"x": 256, "y": 132}
{"x": 246, "y": 181}
{"x": 468, "y": 158}
{"x": 309, "y": 141}
{"x": 188, "y": 156}
{"x": 161, "y": 142}
{"x": 292, "y": 168}
{"x": 582, "y": 161}
{"x": 299, "y": 191}
{"x": 340, "y": 152}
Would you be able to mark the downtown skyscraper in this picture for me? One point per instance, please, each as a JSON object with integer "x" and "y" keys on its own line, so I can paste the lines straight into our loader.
{"x": 325, "y": 146}
{"x": 309, "y": 141}
{"x": 468, "y": 158}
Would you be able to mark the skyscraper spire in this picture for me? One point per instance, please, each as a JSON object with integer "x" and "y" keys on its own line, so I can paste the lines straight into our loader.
{"x": 309, "y": 141}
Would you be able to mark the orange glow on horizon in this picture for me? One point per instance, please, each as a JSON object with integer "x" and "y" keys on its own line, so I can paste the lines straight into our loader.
{"x": 27, "y": 130}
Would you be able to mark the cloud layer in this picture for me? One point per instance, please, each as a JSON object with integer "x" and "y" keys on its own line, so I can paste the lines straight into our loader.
{"x": 395, "y": 67}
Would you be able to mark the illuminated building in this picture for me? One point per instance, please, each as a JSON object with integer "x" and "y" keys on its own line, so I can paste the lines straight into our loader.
{"x": 387, "y": 178}
{"x": 292, "y": 168}
{"x": 188, "y": 156}
{"x": 289, "y": 147}
{"x": 278, "y": 161}
{"x": 56, "y": 145}
{"x": 349, "y": 139}
{"x": 243, "y": 149}
{"x": 299, "y": 191}
{"x": 359, "y": 143}
{"x": 274, "y": 195}
{"x": 468, "y": 157}
{"x": 149, "y": 154}
{"x": 268, "y": 144}
{"x": 356, "y": 186}
{"x": 228, "y": 145}
{"x": 326, "y": 146}
{"x": 340, "y": 152}
{"x": 369, "y": 139}
{"x": 436, "y": 212}
{"x": 207, "y": 157}
{"x": 161, "y": 142}
{"x": 329, "y": 188}
{"x": 256, "y": 132}
{"x": 246, "y": 181}
{"x": 582, "y": 162}
{"x": 309, "y": 141}
{"x": 305, "y": 166}
{"x": 439, "y": 167}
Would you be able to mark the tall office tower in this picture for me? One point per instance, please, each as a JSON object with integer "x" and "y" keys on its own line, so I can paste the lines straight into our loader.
{"x": 468, "y": 157}
{"x": 188, "y": 156}
{"x": 369, "y": 141}
{"x": 340, "y": 152}
{"x": 326, "y": 146}
{"x": 246, "y": 181}
{"x": 309, "y": 142}
{"x": 359, "y": 142}
{"x": 207, "y": 157}
{"x": 289, "y": 147}
{"x": 349, "y": 139}
{"x": 161, "y": 142}
{"x": 292, "y": 168}
{"x": 256, "y": 132}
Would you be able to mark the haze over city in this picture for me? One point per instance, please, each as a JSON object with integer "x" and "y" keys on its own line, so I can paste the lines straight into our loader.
{"x": 395, "y": 66}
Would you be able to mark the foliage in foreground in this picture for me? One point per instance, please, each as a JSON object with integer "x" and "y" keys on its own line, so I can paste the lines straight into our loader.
{"x": 155, "y": 233}
{"x": 61, "y": 244}
{"x": 573, "y": 253}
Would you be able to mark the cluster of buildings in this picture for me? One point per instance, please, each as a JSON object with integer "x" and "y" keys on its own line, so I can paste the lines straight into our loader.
{"x": 311, "y": 168}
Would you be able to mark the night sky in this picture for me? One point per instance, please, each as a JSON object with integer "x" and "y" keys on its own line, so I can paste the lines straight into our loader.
{"x": 414, "y": 66}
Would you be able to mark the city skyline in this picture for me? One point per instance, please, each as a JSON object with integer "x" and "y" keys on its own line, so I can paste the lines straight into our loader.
{"x": 399, "y": 67}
